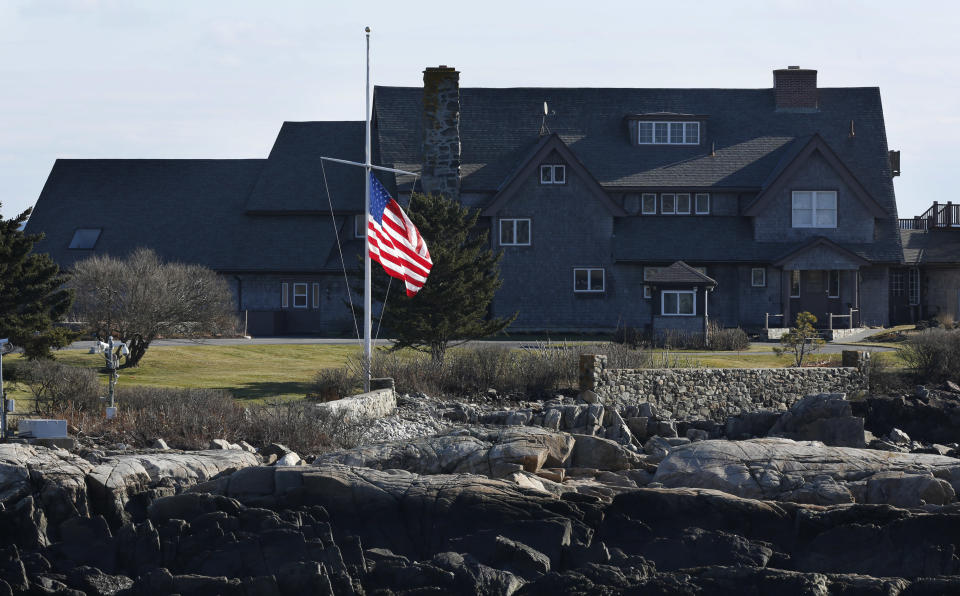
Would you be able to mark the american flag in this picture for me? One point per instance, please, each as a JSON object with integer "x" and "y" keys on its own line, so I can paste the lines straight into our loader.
{"x": 395, "y": 242}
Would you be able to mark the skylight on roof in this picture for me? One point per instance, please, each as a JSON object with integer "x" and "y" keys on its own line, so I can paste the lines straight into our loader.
{"x": 85, "y": 238}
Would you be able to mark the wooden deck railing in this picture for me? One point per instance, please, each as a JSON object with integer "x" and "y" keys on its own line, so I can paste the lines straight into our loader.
{"x": 938, "y": 216}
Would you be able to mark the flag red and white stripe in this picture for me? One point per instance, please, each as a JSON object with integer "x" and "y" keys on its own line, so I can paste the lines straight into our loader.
{"x": 394, "y": 241}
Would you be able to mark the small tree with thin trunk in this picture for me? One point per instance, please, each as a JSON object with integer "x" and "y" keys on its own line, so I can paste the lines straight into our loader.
{"x": 140, "y": 298}
{"x": 801, "y": 340}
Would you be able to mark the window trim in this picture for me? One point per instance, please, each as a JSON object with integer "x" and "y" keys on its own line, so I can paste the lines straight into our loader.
{"x": 814, "y": 194}
{"x": 897, "y": 287}
{"x": 696, "y": 203}
{"x": 663, "y": 294}
{"x": 647, "y": 291}
{"x": 913, "y": 286}
{"x": 92, "y": 246}
{"x": 316, "y": 295}
{"x": 795, "y": 272}
{"x": 514, "y": 221}
{"x": 305, "y": 295}
{"x": 590, "y": 271}
{"x": 830, "y": 274}
{"x": 663, "y": 196}
{"x": 643, "y": 209}
{"x": 670, "y": 125}
{"x": 753, "y": 281}
{"x": 284, "y": 295}
{"x": 676, "y": 198}
{"x": 553, "y": 168}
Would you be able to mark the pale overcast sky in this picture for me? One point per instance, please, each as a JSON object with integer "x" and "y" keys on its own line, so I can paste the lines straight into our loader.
{"x": 215, "y": 79}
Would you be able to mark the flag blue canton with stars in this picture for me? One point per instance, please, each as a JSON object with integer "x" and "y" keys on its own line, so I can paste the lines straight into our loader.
{"x": 379, "y": 197}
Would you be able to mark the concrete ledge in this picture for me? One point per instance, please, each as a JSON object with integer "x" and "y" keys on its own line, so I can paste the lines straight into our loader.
{"x": 366, "y": 406}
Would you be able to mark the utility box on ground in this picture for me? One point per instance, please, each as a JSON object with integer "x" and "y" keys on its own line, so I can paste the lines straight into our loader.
{"x": 39, "y": 428}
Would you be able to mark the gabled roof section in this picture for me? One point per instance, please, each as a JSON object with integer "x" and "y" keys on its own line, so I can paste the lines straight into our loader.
{"x": 817, "y": 242}
{"x": 680, "y": 274}
{"x": 790, "y": 163}
{"x": 922, "y": 247}
{"x": 528, "y": 167}
{"x": 292, "y": 180}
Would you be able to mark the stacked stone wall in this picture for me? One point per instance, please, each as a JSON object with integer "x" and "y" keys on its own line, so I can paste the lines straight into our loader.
{"x": 715, "y": 393}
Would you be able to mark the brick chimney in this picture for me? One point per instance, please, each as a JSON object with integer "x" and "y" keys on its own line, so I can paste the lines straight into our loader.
{"x": 441, "y": 131}
{"x": 795, "y": 88}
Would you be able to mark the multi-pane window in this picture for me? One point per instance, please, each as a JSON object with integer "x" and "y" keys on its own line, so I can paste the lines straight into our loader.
{"x": 299, "y": 295}
{"x": 649, "y": 201}
{"x": 316, "y": 295}
{"x": 758, "y": 277}
{"x": 514, "y": 232}
{"x": 678, "y": 302}
{"x": 588, "y": 280}
{"x": 84, "y": 238}
{"x": 683, "y": 204}
{"x": 553, "y": 174}
{"x": 795, "y": 283}
{"x": 913, "y": 279}
{"x": 668, "y": 133}
{"x": 833, "y": 284}
{"x": 668, "y": 204}
{"x": 703, "y": 203}
{"x": 359, "y": 226}
{"x": 284, "y": 295}
{"x": 814, "y": 209}
{"x": 896, "y": 283}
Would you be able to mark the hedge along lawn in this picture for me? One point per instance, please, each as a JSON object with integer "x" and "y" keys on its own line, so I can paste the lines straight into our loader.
{"x": 255, "y": 373}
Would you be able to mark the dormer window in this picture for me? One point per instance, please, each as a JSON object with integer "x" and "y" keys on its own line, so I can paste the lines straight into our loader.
{"x": 668, "y": 133}
{"x": 553, "y": 174}
{"x": 84, "y": 238}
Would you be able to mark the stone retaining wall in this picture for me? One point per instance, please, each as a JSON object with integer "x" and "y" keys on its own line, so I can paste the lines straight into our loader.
{"x": 713, "y": 393}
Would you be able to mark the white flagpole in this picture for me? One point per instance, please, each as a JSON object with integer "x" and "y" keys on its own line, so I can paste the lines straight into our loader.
{"x": 367, "y": 292}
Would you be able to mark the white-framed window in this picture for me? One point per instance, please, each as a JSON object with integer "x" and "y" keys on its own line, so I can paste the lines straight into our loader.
{"x": 647, "y": 291}
{"x": 913, "y": 286}
{"x": 833, "y": 283}
{"x": 814, "y": 208}
{"x": 359, "y": 225}
{"x": 703, "y": 203}
{"x": 316, "y": 295}
{"x": 795, "y": 283}
{"x": 896, "y": 283}
{"x": 683, "y": 204}
{"x": 668, "y": 133}
{"x": 553, "y": 174}
{"x": 284, "y": 295}
{"x": 649, "y": 203}
{"x": 668, "y": 204}
{"x": 515, "y": 232}
{"x": 299, "y": 295}
{"x": 758, "y": 277}
{"x": 588, "y": 279}
{"x": 678, "y": 303}
{"x": 84, "y": 238}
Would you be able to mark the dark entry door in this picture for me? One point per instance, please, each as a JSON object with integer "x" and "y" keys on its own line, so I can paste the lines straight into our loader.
{"x": 813, "y": 295}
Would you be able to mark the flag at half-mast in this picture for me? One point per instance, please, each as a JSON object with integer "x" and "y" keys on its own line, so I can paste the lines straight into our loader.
{"x": 395, "y": 242}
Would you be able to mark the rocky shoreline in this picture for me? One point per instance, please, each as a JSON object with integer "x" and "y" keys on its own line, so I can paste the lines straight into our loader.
{"x": 558, "y": 497}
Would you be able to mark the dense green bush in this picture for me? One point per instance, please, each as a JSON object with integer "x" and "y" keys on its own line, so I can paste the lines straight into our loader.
{"x": 933, "y": 354}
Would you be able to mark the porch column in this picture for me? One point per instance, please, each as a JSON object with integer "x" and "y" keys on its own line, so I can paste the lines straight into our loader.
{"x": 785, "y": 296}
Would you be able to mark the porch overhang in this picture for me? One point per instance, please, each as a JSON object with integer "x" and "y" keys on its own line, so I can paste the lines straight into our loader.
{"x": 821, "y": 253}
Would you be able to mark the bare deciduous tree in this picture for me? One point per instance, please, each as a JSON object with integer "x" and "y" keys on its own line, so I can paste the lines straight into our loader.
{"x": 140, "y": 298}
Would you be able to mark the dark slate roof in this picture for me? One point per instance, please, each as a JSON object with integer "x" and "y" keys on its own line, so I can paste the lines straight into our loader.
{"x": 186, "y": 210}
{"x": 921, "y": 247}
{"x": 652, "y": 239}
{"x": 292, "y": 177}
{"x": 679, "y": 273}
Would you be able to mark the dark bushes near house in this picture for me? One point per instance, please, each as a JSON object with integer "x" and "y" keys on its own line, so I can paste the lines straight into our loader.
{"x": 729, "y": 340}
{"x": 933, "y": 354}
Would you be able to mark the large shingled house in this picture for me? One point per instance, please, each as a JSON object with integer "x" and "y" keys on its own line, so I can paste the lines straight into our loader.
{"x": 652, "y": 208}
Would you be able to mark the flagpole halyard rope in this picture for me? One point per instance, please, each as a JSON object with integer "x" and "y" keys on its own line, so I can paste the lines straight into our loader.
{"x": 343, "y": 263}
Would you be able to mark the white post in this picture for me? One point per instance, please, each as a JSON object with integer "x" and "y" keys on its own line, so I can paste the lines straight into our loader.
{"x": 367, "y": 291}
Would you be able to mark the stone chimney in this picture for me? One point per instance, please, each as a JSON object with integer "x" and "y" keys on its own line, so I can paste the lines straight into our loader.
{"x": 795, "y": 88}
{"x": 441, "y": 131}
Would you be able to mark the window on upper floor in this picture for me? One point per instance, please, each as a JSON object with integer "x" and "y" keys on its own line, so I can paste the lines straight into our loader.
{"x": 514, "y": 232}
{"x": 588, "y": 279}
{"x": 683, "y": 204}
{"x": 553, "y": 174}
{"x": 703, "y": 203}
{"x": 649, "y": 202}
{"x": 668, "y": 204}
{"x": 814, "y": 208}
{"x": 84, "y": 238}
{"x": 758, "y": 277}
{"x": 678, "y": 303}
{"x": 668, "y": 133}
